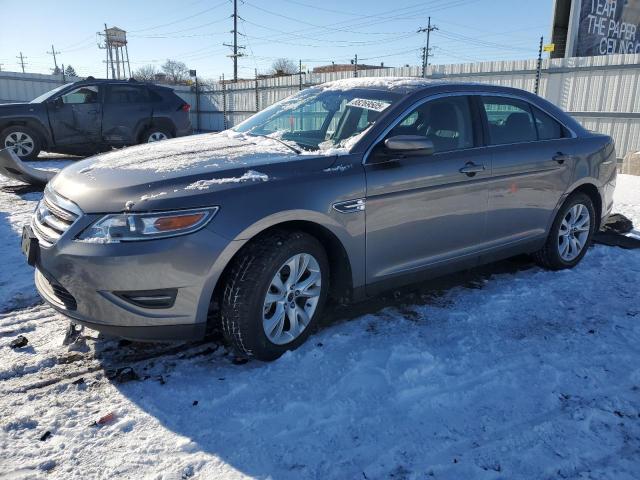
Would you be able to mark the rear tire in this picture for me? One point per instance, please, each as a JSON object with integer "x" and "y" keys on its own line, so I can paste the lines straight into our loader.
{"x": 262, "y": 320}
{"x": 25, "y": 141}
{"x": 155, "y": 134}
{"x": 571, "y": 234}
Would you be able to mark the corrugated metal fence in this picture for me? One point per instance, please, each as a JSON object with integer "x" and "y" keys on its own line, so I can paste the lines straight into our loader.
{"x": 600, "y": 92}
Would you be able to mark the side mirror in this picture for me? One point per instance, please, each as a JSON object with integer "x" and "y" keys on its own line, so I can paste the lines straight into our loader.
{"x": 56, "y": 102}
{"x": 409, "y": 145}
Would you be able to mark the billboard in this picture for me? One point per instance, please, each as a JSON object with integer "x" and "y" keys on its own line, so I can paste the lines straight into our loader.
{"x": 608, "y": 27}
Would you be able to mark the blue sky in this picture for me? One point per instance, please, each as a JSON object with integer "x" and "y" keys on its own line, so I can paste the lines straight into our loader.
{"x": 315, "y": 31}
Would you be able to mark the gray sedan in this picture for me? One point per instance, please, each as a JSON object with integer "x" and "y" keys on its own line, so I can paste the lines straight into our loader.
{"x": 341, "y": 191}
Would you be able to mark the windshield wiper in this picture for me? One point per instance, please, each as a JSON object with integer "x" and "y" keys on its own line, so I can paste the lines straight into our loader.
{"x": 277, "y": 140}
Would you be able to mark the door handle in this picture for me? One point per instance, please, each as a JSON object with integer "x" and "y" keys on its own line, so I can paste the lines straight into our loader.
{"x": 561, "y": 157}
{"x": 471, "y": 169}
{"x": 93, "y": 112}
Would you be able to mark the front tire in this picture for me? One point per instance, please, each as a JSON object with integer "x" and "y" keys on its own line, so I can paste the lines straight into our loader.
{"x": 274, "y": 294}
{"x": 570, "y": 235}
{"x": 24, "y": 141}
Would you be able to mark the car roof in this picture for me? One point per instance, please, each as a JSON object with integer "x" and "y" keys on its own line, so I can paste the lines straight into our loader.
{"x": 91, "y": 80}
{"x": 408, "y": 85}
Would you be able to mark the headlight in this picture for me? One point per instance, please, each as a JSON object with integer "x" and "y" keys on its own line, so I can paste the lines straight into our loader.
{"x": 131, "y": 227}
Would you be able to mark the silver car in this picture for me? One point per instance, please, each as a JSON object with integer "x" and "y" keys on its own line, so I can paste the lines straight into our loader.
{"x": 340, "y": 191}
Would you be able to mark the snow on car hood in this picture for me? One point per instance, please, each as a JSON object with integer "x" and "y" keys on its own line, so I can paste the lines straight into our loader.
{"x": 150, "y": 174}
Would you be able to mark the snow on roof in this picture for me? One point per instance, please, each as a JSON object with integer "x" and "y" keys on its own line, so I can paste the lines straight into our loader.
{"x": 386, "y": 83}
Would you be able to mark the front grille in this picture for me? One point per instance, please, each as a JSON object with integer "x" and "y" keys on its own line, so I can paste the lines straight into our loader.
{"x": 53, "y": 216}
{"x": 55, "y": 292}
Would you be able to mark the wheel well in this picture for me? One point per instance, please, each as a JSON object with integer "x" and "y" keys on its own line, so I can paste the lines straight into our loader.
{"x": 163, "y": 123}
{"x": 340, "y": 279}
{"x": 33, "y": 125}
{"x": 592, "y": 192}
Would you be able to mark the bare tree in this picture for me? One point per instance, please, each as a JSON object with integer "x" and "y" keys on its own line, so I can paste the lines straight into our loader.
{"x": 284, "y": 66}
{"x": 146, "y": 74}
{"x": 177, "y": 72}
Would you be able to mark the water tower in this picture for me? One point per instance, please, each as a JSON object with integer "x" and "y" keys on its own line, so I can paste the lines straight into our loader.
{"x": 115, "y": 44}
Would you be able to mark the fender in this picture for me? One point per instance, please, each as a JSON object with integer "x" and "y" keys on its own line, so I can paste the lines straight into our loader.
{"x": 349, "y": 245}
{"x": 32, "y": 122}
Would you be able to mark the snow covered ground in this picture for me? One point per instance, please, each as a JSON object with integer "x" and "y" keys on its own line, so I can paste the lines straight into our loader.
{"x": 507, "y": 373}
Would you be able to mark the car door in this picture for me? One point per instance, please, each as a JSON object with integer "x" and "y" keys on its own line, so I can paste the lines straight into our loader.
{"x": 427, "y": 210}
{"x": 126, "y": 108}
{"x": 532, "y": 166}
{"x": 76, "y": 116}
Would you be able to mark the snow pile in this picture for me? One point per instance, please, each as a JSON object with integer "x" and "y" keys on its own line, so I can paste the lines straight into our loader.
{"x": 519, "y": 373}
{"x": 250, "y": 175}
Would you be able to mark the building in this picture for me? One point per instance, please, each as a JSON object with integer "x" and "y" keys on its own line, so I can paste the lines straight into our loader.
{"x": 583, "y": 28}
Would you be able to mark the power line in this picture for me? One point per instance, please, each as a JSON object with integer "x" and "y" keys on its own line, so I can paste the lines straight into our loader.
{"x": 217, "y": 5}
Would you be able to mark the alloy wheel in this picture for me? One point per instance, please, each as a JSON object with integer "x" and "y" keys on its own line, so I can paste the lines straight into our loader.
{"x": 156, "y": 137}
{"x": 291, "y": 299}
{"x": 574, "y": 232}
{"x": 21, "y": 143}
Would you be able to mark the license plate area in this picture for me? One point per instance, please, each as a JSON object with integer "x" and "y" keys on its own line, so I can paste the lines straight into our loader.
{"x": 30, "y": 245}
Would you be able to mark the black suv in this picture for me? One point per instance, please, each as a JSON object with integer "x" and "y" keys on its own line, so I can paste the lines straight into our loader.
{"x": 91, "y": 116}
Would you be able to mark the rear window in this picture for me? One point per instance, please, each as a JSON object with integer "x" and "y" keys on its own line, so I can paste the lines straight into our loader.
{"x": 548, "y": 128}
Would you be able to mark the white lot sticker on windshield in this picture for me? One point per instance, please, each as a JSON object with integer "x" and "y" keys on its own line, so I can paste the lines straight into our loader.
{"x": 368, "y": 104}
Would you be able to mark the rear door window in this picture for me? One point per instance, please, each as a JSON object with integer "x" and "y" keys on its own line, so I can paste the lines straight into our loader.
{"x": 117, "y": 94}
{"x": 510, "y": 120}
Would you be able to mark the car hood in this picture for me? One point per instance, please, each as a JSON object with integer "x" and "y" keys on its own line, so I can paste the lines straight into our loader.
{"x": 11, "y": 108}
{"x": 185, "y": 172}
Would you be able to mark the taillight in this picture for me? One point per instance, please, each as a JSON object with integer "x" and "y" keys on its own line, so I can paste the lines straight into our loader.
{"x": 185, "y": 107}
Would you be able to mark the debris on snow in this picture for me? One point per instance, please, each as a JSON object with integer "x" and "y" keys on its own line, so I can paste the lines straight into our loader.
{"x": 45, "y": 436}
{"x": 19, "y": 342}
{"x": 618, "y": 223}
{"x": 104, "y": 420}
{"x": 122, "y": 375}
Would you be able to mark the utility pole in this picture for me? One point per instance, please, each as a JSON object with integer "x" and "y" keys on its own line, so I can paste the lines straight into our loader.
{"x": 257, "y": 95}
{"x": 539, "y": 66}
{"x": 22, "y": 59}
{"x": 55, "y": 62}
{"x": 427, "y": 50}
{"x": 300, "y": 74}
{"x": 235, "y": 45}
{"x": 355, "y": 66}
{"x": 64, "y": 77}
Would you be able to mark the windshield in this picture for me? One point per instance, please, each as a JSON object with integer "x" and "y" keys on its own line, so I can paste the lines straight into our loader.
{"x": 319, "y": 119}
{"x": 45, "y": 96}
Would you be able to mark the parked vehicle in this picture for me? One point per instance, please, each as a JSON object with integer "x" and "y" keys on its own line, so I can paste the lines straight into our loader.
{"x": 340, "y": 191}
{"x": 91, "y": 116}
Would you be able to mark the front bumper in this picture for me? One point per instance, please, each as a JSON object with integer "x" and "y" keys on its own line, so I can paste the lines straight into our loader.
{"x": 83, "y": 281}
